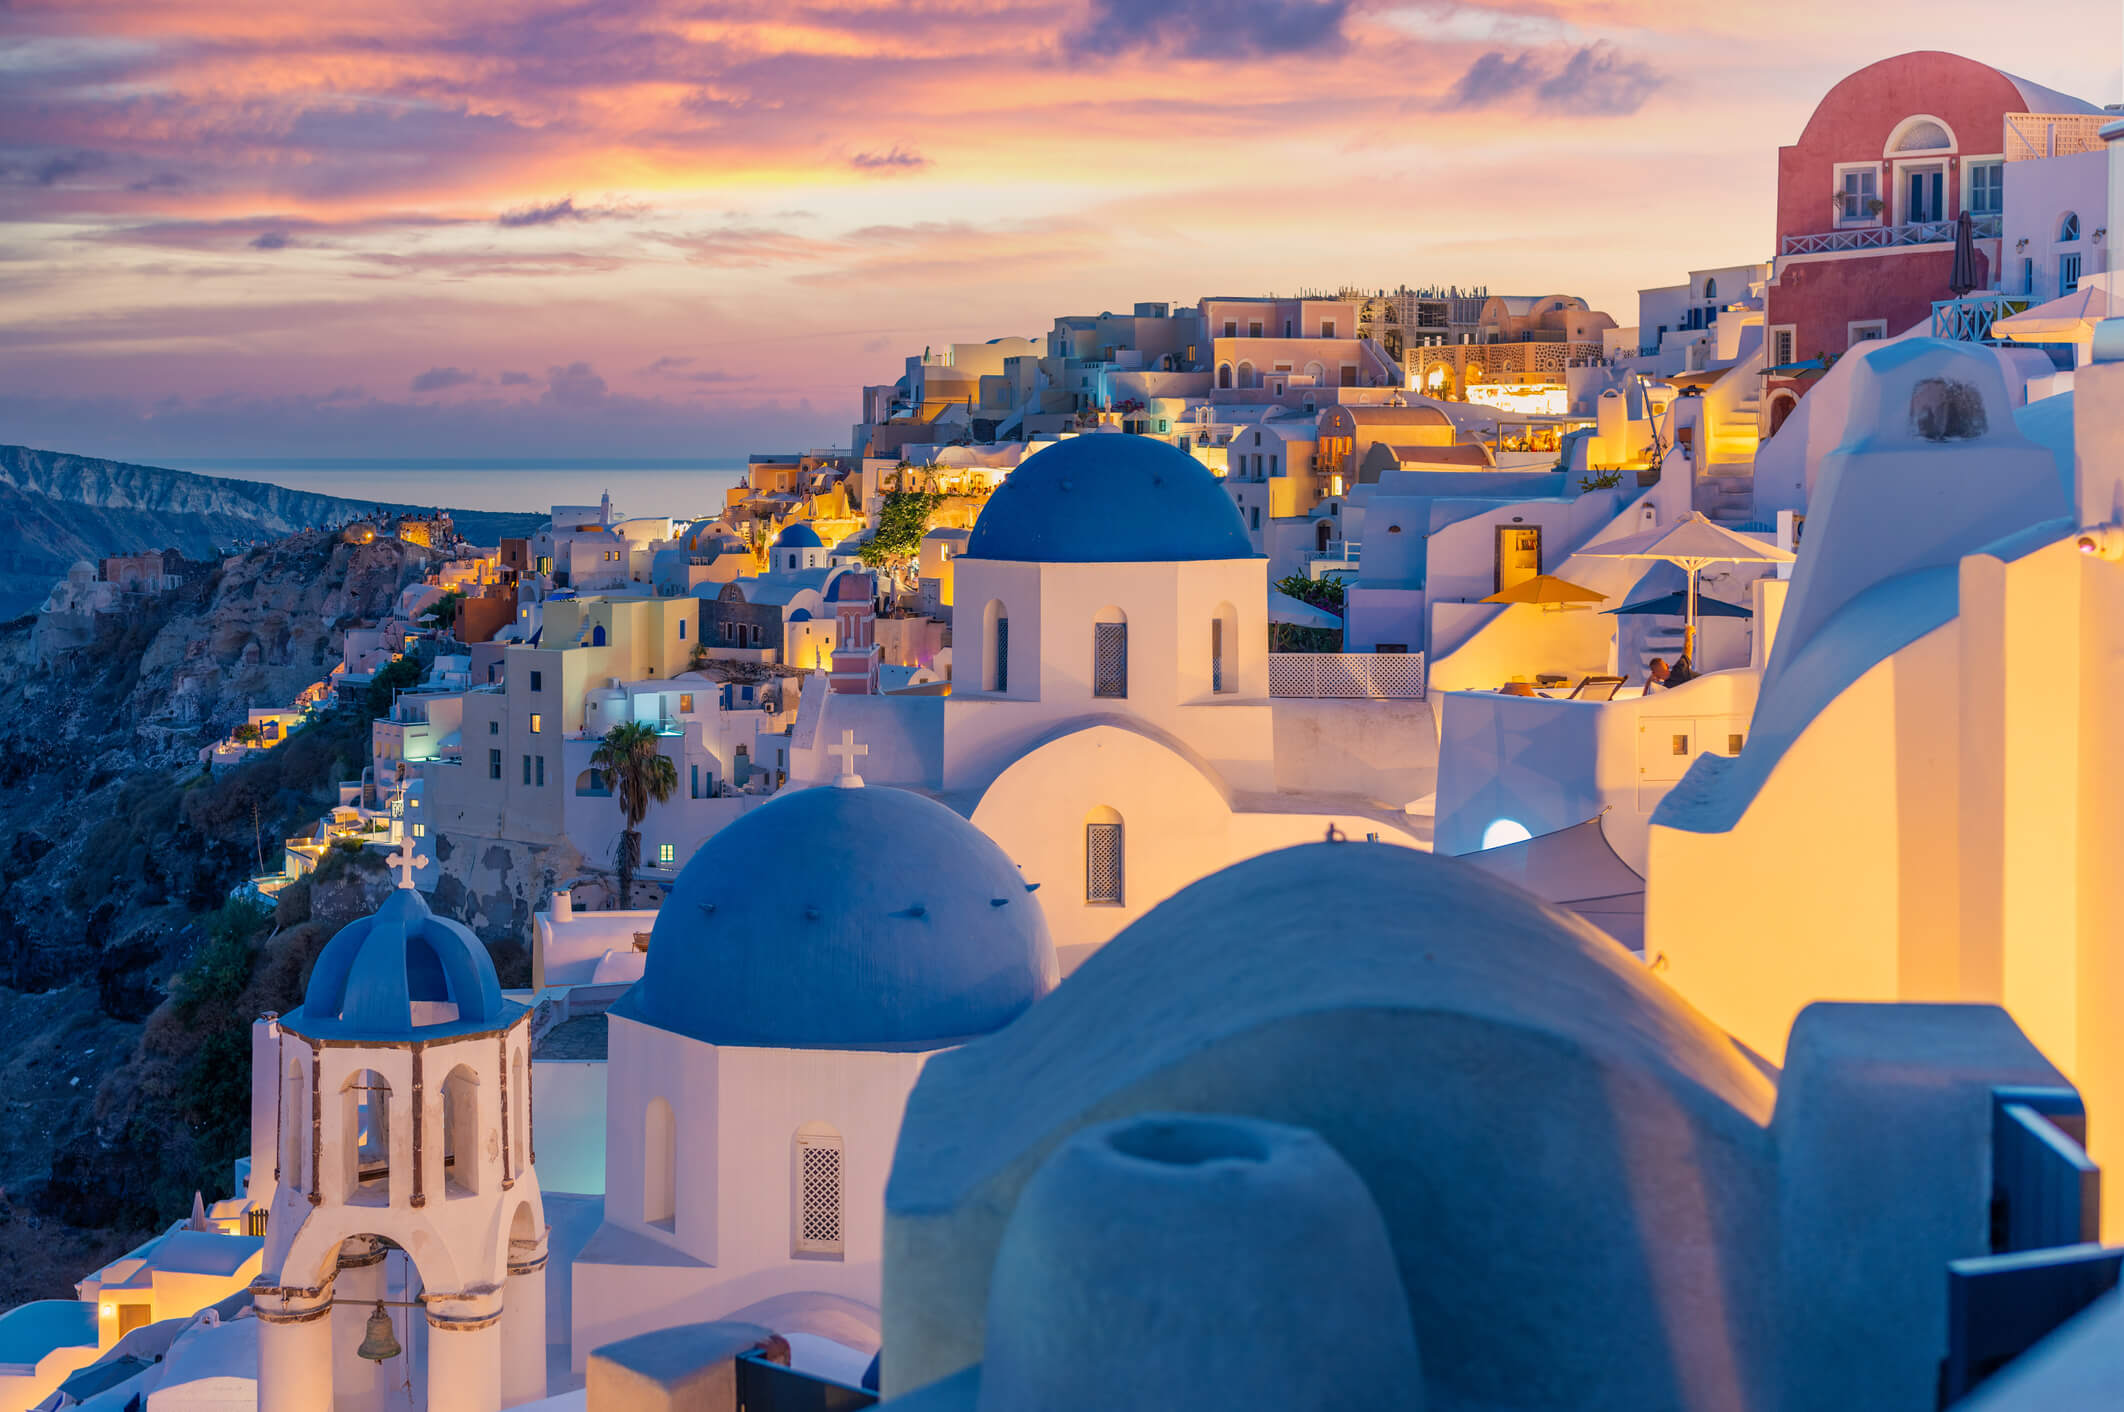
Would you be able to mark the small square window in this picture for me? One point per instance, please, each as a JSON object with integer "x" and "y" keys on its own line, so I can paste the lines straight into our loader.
{"x": 1733, "y": 744}
{"x": 1681, "y": 745}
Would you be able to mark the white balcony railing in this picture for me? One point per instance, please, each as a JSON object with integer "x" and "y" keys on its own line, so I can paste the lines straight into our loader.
{"x": 1829, "y": 242}
{"x": 1358, "y": 676}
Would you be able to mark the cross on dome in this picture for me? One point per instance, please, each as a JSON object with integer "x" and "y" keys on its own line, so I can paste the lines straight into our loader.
{"x": 848, "y": 751}
{"x": 405, "y": 861}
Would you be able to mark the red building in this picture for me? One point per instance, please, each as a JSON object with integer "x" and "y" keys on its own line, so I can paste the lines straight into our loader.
{"x": 1868, "y": 197}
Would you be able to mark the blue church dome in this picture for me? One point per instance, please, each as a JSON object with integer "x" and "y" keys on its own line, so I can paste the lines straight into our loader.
{"x": 844, "y": 919}
{"x": 799, "y": 536}
{"x": 1110, "y": 499}
{"x": 402, "y": 973}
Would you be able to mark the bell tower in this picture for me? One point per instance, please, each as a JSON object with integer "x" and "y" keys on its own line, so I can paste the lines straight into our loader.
{"x": 405, "y": 1217}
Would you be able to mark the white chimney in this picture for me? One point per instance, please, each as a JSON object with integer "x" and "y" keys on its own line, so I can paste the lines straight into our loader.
{"x": 563, "y": 906}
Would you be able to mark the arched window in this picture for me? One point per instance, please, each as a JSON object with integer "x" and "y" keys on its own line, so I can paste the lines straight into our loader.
{"x": 461, "y": 1142}
{"x": 1110, "y": 653}
{"x": 1105, "y": 849}
{"x": 1710, "y": 287}
{"x": 1247, "y": 376}
{"x": 1922, "y": 135}
{"x": 597, "y": 635}
{"x": 1224, "y": 649}
{"x": 592, "y": 783}
{"x": 995, "y": 650}
{"x": 1316, "y": 372}
{"x": 815, "y": 1182}
{"x": 365, "y": 1138}
{"x": 660, "y": 1166}
{"x": 2069, "y": 228}
{"x": 1224, "y": 375}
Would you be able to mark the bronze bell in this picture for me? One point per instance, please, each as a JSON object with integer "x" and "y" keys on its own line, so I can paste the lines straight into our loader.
{"x": 378, "y": 1342}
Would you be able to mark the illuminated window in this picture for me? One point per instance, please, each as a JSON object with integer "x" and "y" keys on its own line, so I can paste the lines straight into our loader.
{"x": 685, "y": 702}
{"x": 665, "y": 853}
{"x": 537, "y": 723}
{"x": 1733, "y": 745}
{"x": 1681, "y": 745}
{"x": 420, "y": 831}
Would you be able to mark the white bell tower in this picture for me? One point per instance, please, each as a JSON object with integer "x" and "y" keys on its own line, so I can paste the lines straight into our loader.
{"x": 400, "y": 1095}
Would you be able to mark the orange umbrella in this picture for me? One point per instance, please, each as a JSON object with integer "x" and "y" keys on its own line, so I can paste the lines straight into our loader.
{"x": 1549, "y": 591}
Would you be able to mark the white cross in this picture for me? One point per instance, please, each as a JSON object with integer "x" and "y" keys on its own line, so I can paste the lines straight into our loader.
{"x": 849, "y": 751}
{"x": 405, "y": 861}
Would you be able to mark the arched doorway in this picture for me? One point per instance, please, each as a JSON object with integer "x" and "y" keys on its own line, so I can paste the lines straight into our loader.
{"x": 1781, "y": 405}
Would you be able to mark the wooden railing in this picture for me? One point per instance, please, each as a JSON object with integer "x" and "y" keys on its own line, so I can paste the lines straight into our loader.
{"x": 2030, "y": 136}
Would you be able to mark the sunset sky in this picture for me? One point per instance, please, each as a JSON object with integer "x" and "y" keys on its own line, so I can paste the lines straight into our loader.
{"x": 654, "y": 228}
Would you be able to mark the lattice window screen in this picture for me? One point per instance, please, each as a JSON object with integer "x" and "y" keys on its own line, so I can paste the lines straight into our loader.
{"x": 1102, "y": 863}
{"x": 1216, "y": 654}
{"x": 1002, "y": 654}
{"x": 1110, "y": 659}
{"x": 817, "y": 1223}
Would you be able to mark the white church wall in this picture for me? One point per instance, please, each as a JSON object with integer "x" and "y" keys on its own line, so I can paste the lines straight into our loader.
{"x": 728, "y": 1244}
{"x": 1168, "y": 609}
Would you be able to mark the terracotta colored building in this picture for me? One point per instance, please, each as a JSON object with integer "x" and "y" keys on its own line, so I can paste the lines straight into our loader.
{"x": 1868, "y": 197}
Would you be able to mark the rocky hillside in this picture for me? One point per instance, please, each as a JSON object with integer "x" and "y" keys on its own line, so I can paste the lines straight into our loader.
{"x": 57, "y": 509}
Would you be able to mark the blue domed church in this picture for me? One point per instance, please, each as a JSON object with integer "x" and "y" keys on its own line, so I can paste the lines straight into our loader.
{"x": 1110, "y": 723}
{"x": 809, "y": 960}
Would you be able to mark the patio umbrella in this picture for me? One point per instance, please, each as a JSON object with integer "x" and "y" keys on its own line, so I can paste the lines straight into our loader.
{"x": 1282, "y": 608}
{"x": 1963, "y": 277}
{"x": 1692, "y": 542}
{"x": 1676, "y": 604}
{"x": 1547, "y": 590}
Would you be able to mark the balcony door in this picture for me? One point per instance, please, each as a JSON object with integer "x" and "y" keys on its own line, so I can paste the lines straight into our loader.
{"x": 1518, "y": 555}
{"x": 1925, "y": 193}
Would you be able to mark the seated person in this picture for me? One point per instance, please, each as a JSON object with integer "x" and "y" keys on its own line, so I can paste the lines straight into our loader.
{"x": 1656, "y": 674}
{"x": 1681, "y": 671}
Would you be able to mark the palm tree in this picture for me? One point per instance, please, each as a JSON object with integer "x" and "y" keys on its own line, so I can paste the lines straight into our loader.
{"x": 638, "y": 775}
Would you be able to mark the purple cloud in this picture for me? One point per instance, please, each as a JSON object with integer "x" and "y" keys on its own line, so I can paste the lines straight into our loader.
{"x": 565, "y": 209}
{"x": 894, "y": 159}
{"x": 440, "y": 379}
{"x": 512, "y": 379}
{"x": 575, "y": 385}
{"x": 1594, "y": 79}
{"x": 1212, "y": 29}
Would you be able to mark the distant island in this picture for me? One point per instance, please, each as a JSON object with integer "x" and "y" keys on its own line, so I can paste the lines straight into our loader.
{"x": 57, "y": 509}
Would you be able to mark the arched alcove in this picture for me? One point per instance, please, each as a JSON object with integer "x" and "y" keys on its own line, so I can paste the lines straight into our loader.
{"x": 995, "y": 646}
{"x": 660, "y": 1165}
{"x": 461, "y": 1141}
{"x": 1224, "y": 649}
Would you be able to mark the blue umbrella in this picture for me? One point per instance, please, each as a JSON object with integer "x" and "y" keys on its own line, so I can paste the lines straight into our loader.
{"x": 1676, "y": 605}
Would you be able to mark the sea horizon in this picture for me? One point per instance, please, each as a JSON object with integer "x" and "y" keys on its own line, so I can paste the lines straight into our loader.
{"x": 679, "y": 488}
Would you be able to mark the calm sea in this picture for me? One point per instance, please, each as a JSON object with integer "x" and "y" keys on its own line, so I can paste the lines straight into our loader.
{"x": 684, "y": 491}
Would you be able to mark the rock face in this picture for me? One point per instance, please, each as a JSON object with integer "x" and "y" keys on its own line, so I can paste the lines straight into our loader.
{"x": 57, "y": 509}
